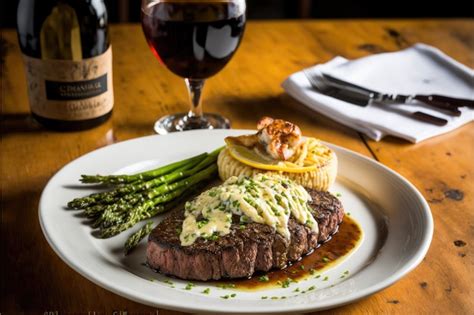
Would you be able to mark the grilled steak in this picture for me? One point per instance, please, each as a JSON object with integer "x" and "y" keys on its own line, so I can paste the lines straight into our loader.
{"x": 242, "y": 252}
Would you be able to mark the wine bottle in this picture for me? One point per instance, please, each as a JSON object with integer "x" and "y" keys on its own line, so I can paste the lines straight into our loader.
{"x": 68, "y": 61}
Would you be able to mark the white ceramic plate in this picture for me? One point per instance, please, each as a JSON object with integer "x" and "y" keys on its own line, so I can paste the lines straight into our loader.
{"x": 395, "y": 219}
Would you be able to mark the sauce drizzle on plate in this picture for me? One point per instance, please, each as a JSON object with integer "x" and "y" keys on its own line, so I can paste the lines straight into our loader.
{"x": 326, "y": 255}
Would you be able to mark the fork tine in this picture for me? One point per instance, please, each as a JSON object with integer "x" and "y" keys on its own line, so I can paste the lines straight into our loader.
{"x": 315, "y": 79}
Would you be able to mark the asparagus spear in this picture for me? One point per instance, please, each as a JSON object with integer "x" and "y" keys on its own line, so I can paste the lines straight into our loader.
{"x": 138, "y": 214}
{"x": 111, "y": 196}
{"x": 119, "y": 179}
{"x": 136, "y": 237}
{"x": 120, "y": 204}
{"x": 163, "y": 189}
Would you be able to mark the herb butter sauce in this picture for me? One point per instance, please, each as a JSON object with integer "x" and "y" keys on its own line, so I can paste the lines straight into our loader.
{"x": 264, "y": 198}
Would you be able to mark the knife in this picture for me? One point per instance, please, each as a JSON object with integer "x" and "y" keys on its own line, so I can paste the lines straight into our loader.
{"x": 362, "y": 98}
{"x": 446, "y": 103}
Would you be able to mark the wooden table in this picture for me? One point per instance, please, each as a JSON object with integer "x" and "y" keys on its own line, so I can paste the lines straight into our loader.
{"x": 35, "y": 279}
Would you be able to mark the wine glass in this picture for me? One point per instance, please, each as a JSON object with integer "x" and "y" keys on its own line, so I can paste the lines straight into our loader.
{"x": 195, "y": 40}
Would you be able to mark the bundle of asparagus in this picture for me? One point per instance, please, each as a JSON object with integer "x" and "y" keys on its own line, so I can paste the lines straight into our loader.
{"x": 138, "y": 197}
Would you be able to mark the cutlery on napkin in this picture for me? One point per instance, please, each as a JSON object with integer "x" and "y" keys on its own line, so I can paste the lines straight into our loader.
{"x": 420, "y": 69}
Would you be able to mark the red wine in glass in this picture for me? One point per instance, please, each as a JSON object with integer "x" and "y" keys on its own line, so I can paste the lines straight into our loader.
{"x": 195, "y": 40}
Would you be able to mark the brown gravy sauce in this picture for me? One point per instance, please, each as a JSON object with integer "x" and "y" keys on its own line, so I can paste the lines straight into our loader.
{"x": 326, "y": 255}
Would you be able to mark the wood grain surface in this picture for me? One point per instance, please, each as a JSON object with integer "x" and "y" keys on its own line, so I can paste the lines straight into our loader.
{"x": 35, "y": 280}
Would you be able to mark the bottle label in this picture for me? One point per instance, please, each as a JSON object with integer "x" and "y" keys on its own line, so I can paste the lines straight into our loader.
{"x": 79, "y": 90}
{"x": 70, "y": 90}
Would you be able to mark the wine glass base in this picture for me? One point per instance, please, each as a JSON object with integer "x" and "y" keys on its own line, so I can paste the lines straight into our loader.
{"x": 181, "y": 122}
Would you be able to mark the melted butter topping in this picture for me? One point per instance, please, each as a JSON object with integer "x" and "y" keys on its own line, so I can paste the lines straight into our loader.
{"x": 264, "y": 198}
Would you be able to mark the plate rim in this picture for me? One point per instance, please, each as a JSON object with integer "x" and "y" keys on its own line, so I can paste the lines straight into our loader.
{"x": 411, "y": 264}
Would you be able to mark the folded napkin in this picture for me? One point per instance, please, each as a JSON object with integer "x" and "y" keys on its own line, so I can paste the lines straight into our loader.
{"x": 420, "y": 69}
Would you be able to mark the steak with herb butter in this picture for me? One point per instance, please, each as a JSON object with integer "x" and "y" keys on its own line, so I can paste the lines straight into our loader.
{"x": 247, "y": 246}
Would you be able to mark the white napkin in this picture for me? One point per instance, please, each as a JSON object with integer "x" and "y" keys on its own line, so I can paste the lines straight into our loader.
{"x": 420, "y": 69}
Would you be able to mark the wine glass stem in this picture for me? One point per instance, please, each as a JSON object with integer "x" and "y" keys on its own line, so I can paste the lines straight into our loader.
{"x": 195, "y": 87}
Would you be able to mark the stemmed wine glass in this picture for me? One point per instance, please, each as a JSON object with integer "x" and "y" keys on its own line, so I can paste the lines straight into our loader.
{"x": 195, "y": 40}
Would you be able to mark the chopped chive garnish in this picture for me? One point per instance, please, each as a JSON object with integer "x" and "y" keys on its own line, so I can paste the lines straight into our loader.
{"x": 317, "y": 276}
{"x": 325, "y": 259}
{"x": 311, "y": 288}
{"x": 201, "y": 223}
{"x": 233, "y": 295}
{"x": 302, "y": 267}
{"x": 225, "y": 297}
{"x": 286, "y": 282}
{"x": 296, "y": 290}
{"x": 264, "y": 297}
{"x": 263, "y": 278}
{"x": 189, "y": 286}
{"x": 274, "y": 297}
{"x": 326, "y": 278}
{"x": 206, "y": 291}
